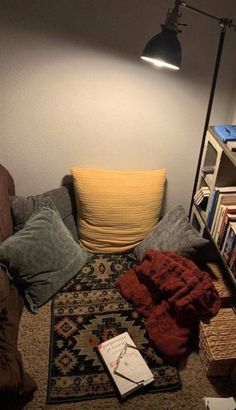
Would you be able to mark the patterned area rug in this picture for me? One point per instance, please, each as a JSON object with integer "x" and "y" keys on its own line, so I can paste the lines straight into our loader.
{"x": 86, "y": 312}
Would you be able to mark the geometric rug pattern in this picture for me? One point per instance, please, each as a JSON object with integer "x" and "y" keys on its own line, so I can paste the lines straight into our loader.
{"x": 86, "y": 312}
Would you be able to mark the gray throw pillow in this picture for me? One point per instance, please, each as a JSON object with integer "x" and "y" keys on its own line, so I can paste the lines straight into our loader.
{"x": 173, "y": 233}
{"x": 23, "y": 207}
{"x": 43, "y": 256}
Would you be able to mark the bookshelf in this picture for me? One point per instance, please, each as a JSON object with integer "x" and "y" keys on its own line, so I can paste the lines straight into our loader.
{"x": 215, "y": 197}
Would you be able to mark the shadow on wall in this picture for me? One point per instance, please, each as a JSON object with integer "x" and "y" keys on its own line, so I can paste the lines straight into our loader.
{"x": 67, "y": 180}
{"x": 115, "y": 25}
{"x": 68, "y": 183}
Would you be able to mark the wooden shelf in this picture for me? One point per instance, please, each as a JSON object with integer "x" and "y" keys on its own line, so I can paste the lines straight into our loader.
{"x": 217, "y": 169}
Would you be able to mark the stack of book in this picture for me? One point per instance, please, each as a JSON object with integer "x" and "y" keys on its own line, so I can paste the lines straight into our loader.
{"x": 201, "y": 195}
{"x": 221, "y": 222}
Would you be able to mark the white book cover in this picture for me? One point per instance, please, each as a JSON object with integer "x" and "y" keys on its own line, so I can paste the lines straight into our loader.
{"x": 218, "y": 403}
{"x": 125, "y": 363}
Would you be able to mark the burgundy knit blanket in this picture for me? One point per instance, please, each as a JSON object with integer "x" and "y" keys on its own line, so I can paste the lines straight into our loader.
{"x": 173, "y": 294}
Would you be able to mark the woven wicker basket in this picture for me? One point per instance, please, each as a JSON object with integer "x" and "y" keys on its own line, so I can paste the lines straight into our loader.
{"x": 217, "y": 343}
{"x": 221, "y": 284}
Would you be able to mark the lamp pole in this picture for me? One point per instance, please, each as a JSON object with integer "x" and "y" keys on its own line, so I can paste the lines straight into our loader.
{"x": 209, "y": 108}
{"x": 164, "y": 50}
{"x": 224, "y": 23}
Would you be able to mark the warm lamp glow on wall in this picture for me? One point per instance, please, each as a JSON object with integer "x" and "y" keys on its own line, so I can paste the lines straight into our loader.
{"x": 164, "y": 50}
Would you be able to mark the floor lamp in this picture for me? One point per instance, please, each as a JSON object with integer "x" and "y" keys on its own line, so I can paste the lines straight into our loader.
{"x": 164, "y": 50}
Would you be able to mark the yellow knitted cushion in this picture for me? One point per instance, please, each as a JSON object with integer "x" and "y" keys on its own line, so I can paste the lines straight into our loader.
{"x": 116, "y": 209}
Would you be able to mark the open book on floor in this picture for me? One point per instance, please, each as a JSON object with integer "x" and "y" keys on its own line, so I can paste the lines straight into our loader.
{"x": 125, "y": 364}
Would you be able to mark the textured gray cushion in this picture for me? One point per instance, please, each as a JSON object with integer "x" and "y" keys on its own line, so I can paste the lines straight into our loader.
{"x": 172, "y": 233}
{"x": 23, "y": 207}
{"x": 43, "y": 256}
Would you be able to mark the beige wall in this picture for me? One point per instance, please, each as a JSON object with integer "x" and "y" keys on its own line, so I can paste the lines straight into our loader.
{"x": 74, "y": 91}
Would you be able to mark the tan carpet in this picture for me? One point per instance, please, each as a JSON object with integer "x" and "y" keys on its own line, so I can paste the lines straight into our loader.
{"x": 34, "y": 339}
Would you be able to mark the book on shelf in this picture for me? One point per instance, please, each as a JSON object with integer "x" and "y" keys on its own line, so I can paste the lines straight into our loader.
{"x": 223, "y": 199}
{"x": 229, "y": 215}
{"x": 230, "y": 239}
{"x": 232, "y": 261}
{"x": 229, "y": 218}
{"x": 211, "y": 207}
{"x": 226, "y": 198}
{"x": 220, "y": 195}
{"x": 226, "y": 132}
{"x": 201, "y": 195}
{"x": 125, "y": 364}
{"x": 221, "y": 213}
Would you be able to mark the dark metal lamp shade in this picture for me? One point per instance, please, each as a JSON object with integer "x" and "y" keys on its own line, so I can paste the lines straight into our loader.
{"x": 163, "y": 50}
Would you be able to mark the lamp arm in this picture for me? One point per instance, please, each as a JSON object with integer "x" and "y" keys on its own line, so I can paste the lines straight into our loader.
{"x": 208, "y": 114}
{"x": 224, "y": 22}
{"x": 183, "y": 4}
